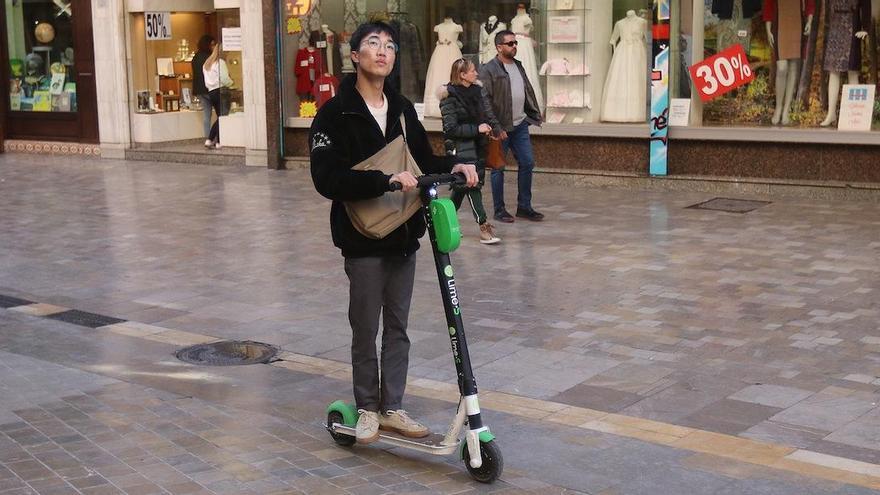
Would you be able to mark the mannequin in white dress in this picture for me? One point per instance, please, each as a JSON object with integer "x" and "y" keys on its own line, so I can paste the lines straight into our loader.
{"x": 626, "y": 85}
{"x": 329, "y": 52}
{"x": 447, "y": 51}
{"x": 522, "y": 25}
{"x": 487, "y": 38}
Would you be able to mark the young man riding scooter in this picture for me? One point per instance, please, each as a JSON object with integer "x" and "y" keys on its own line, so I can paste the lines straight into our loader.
{"x": 358, "y": 122}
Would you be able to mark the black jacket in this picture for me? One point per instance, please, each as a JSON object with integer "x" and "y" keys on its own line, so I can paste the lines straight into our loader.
{"x": 198, "y": 76}
{"x": 497, "y": 84}
{"x": 463, "y": 110}
{"x": 343, "y": 134}
{"x": 724, "y": 8}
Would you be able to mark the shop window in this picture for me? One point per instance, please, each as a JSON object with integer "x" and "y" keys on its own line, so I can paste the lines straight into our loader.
{"x": 170, "y": 99}
{"x": 587, "y": 60}
{"x": 802, "y": 54}
{"x": 40, "y": 47}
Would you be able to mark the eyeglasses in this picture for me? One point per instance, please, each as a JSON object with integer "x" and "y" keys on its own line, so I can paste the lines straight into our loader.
{"x": 510, "y": 43}
{"x": 375, "y": 44}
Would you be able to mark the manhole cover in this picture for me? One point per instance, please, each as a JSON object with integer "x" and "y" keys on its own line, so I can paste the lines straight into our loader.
{"x": 730, "y": 205}
{"x": 227, "y": 353}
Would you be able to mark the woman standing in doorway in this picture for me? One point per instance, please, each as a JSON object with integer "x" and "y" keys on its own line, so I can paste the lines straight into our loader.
{"x": 205, "y": 46}
{"x": 216, "y": 76}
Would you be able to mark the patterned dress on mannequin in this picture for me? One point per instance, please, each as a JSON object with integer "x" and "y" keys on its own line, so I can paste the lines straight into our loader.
{"x": 843, "y": 51}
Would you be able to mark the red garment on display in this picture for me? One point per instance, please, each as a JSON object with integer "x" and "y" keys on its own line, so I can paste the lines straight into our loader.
{"x": 325, "y": 88}
{"x": 307, "y": 67}
{"x": 769, "y": 10}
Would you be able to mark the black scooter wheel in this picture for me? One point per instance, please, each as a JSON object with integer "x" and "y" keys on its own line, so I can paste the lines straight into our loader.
{"x": 340, "y": 438}
{"x": 492, "y": 466}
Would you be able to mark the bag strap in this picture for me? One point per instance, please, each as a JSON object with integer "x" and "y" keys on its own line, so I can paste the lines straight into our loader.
{"x": 403, "y": 126}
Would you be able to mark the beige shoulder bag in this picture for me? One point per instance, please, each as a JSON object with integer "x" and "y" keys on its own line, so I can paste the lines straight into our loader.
{"x": 378, "y": 217}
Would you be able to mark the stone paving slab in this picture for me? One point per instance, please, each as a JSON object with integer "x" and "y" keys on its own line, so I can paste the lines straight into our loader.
{"x": 256, "y": 430}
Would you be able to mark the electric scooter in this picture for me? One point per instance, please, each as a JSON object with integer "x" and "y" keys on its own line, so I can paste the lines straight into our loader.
{"x": 478, "y": 449}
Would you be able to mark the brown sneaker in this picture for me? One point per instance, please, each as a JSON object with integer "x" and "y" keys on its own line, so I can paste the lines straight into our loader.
{"x": 400, "y": 422}
{"x": 487, "y": 234}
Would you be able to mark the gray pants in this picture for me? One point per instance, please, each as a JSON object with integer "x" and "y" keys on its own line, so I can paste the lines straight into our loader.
{"x": 379, "y": 285}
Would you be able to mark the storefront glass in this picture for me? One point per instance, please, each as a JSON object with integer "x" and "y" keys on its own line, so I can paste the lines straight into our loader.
{"x": 565, "y": 47}
{"x": 40, "y": 47}
{"x": 802, "y": 53}
{"x": 166, "y": 104}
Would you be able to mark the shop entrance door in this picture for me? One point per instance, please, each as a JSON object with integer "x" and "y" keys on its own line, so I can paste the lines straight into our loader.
{"x": 48, "y": 71}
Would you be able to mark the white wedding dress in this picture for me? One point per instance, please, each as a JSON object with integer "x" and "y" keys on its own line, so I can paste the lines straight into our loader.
{"x": 626, "y": 85}
{"x": 525, "y": 53}
{"x": 440, "y": 66}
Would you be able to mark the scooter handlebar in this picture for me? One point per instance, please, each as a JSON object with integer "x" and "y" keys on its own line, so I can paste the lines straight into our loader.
{"x": 431, "y": 180}
{"x": 439, "y": 179}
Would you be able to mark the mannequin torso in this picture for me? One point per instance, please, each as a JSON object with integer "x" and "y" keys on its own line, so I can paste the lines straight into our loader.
{"x": 521, "y": 23}
{"x": 487, "y": 38}
{"x": 447, "y": 31}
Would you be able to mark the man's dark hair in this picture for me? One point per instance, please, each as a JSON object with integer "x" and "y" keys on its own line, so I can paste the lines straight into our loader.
{"x": 205, "y": 42}
{"x": 370, "y": 28}
{"x": 499, "y": 36}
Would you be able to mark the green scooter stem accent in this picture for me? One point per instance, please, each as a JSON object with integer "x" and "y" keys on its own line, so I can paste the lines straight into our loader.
{"x": 446, "y": 227}
{"x": 348, "y": 411}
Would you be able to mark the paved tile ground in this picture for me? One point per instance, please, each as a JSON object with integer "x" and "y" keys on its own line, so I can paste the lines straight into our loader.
{"x": 762, "y": 325}
{"x": 149, "y": 424}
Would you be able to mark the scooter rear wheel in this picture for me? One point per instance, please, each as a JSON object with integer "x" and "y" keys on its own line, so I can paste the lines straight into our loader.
{"x": 340, "y": 438}
{"x": 492, "y": 466}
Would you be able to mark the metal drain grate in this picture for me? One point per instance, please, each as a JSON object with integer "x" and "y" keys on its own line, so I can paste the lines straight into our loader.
{"x": 11, "y": 302}
{"x": 228, "y": 353}
{"x": 84, "y": 319}
{"x": 730, "y": 205}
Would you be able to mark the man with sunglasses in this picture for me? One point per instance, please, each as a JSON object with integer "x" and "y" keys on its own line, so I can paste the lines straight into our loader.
{"x": 516, "y": 107}
{"x": 352, "y": 126}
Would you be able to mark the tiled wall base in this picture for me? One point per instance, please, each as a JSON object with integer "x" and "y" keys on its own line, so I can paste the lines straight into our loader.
{"x": 51, "y": 148}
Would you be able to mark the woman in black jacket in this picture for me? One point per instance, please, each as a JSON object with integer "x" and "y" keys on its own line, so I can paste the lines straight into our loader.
{"x": 206, "y": 46}
{"x": 468, "y": 122}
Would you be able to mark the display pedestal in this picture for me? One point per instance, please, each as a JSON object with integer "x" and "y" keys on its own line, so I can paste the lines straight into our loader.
{"x": 166, "y": 126}
{"x": 232, "y": 129}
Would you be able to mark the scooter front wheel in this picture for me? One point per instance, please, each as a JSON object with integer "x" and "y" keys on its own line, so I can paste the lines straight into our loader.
{"x": 340, "y": 438}
{"x": 492, "y": 466}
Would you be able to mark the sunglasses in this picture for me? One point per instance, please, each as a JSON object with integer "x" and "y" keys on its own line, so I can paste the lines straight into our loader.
{"x": 510, "y": 43}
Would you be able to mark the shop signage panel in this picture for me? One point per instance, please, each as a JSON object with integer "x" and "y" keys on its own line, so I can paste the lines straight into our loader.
{"x": 679, "y": 112}
{"x": 856, "y": 107}
{"x": 722, "y": 73}
{"x": 158, "y": 25}
{"x": 231, "y": 39}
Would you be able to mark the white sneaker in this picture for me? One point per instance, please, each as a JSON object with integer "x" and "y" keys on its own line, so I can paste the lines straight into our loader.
{"x": 217, "y": 145}
{"x": 367, "y": 429}
{"x": 209, "y": 143}
{"x": 400, "y": 422}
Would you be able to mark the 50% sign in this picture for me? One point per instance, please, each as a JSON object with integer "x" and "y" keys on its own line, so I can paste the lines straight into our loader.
{"x": 721, "y": 73}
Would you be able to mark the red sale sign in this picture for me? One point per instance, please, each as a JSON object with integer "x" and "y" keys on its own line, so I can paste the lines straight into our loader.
{"x": 721, "y": 73}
